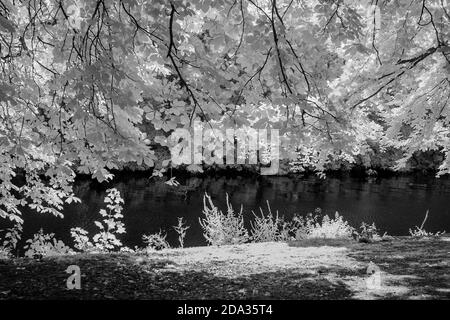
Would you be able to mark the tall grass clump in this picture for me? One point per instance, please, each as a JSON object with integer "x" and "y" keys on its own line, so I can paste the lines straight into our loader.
{"x": 219, "y": 228}
{"x": 420, "y": 232}
{"x": 267, "y": 227}
{"x": 156, "y": 241}
{"x": 322, "y": 227}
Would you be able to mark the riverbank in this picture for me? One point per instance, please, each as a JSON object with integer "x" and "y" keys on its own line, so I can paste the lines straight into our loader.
{"x": 409, "y": 269}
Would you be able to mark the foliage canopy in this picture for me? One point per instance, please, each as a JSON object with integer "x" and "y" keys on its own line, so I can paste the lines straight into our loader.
{"x": 80, "y": 78}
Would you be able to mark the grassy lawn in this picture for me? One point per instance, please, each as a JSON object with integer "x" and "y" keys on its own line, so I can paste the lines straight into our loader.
{"x": 311, "y": 269}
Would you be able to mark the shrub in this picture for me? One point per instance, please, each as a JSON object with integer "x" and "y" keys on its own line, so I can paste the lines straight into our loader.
{"x": 5, "y": 253}
{"x": 156, "y": 241}
{"x": 312, "y": 226}
{"x": 219, "y": 228}
{"x": 420, "y": 232}
{"x": 417, "y": 232}
{"x": 287, "y": 230}
{"x": 304, "y": 225}
{"x": 126, "y": 249}
{"x": 10, "y": 240}
{"x": 369, "y": 233}
{"x": 111, "y": 226}
{"x": 45, "y": 245}
{"x": 269, "y": 228}
{"x": 81, "y": 239}
{"x": 181, "y": 229}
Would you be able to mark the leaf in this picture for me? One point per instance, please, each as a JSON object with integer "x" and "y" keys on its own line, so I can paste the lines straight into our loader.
{"x": 6, "y": 25}
{"x": 99, "y": 225}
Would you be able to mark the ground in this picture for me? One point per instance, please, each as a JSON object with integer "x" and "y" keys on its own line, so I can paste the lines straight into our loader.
{"x": 404, "y": 268}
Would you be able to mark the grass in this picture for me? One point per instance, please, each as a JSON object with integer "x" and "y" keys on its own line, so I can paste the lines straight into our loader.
{"x": 323, "y": 269}
{"x": 322, "y": 227}
{"x": 222, "y": 228}
{"x": 420, "y": 232}
{"x": 266, "y": 228}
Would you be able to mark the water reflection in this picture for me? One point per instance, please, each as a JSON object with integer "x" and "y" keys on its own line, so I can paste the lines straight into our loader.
{"x": 394, "y": 204}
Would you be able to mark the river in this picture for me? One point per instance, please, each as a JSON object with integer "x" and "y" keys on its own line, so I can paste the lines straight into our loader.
{"x": 395, "y": 204}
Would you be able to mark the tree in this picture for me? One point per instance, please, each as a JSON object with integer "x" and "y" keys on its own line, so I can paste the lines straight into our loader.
{"x": 79, "y": 78}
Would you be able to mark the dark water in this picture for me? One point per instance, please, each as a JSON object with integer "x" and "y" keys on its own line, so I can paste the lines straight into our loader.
{"x": 394, "y": 204}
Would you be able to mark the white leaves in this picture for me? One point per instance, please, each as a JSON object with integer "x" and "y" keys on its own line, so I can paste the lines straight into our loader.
{"x": 172, "y": 182}
{"x": 74, "y": 199}
{"x": 165, "y": 162}
{"x": 102, "y": 175}
{"x": 88, "y": 108}
{"x": 149, "y": 162}
{"x": 158, "y": 173}
{"x": 110, "y": 226}
{"x": 11, "y": 238}
{"x": 194, "y": 168}
{"x": 99, "y": 225}
{"x": 156, "y": 241}
{"x": 219, "y": 228}
{"x": 45, "y": 245}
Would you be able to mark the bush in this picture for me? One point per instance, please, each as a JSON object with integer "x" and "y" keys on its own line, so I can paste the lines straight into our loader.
{"x": 45, "y": 245}
{"x": 312, "y": 226}
{"x": 5, "y": 253}
{"x": 156, "y": 241}
{"x": 268, "y": 228}
{"x": 81, "y": 239}
{"x": 111, "y": 226}
{"x": 369, "y": 233}
{"x": 286, "y": 230}
{"x": 219, "y": 228}
{"x": 10, "y": 240}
